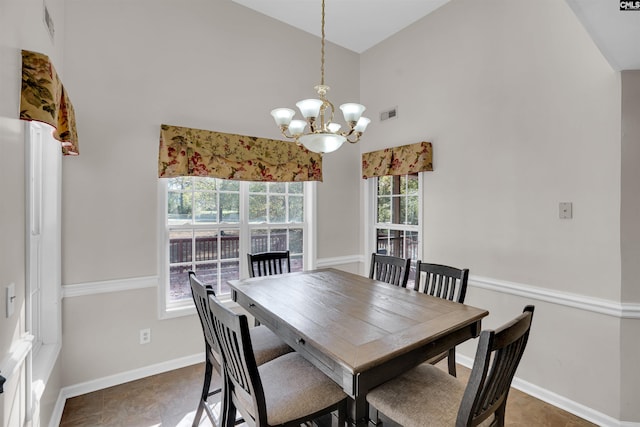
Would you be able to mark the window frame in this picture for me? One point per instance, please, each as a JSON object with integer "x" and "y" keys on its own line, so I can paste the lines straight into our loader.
{"x": 371, "y": 224}
{"x": 43, "y": 263}
{"x": 170, "y": 310}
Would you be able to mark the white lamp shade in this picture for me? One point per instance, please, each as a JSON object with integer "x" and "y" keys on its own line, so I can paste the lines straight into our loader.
{"x": 352, "y": 112}
{"x": 309, "y": 107}
{"x": 334, "y": 127}
{"x": 362, "y": 124}
{"x": 296, "y": 127}
{"x": 322, "y": 142}
{"x": 282, "y": 116}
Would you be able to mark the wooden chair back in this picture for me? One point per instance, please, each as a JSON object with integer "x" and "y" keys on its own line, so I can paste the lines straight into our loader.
{"x": 268, "y": 263}
{"x": 200, "y": 293}
{"x": 497, "y": 358}
{"x": 242, "y": 383}
{"x": 442, "y": 281}
{"x": 390, "y": 269}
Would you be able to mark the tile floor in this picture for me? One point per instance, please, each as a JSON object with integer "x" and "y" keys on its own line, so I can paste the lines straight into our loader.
{"x": 170, "y": 400}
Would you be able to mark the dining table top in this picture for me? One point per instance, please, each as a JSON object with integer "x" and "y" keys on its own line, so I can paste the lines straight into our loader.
{"x": 357, "y": 322}
{"x": 359, "y": 331}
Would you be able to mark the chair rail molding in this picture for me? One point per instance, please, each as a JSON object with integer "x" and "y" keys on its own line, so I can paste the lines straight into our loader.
{"x": 330, "y": 262}
{"x": 583, "y": 302}
{"x": 623, "y": 310}
{"x": 106, "y": 286}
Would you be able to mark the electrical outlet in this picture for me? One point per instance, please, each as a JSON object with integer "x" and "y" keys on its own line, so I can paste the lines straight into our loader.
{"x": 145, "y": 336}
{"x": 566, "y": 210}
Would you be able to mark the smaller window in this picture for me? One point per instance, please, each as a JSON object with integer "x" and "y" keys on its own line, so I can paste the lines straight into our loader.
{"x": 397, "y": 217}
{"x": 276, "y": 219}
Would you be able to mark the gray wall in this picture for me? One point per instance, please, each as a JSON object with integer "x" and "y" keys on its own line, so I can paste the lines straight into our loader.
{"x": 197, "y": 63}
{"x": 630, "y": 240}
{"x": 21, "y": 27}
{"x": 523, "y": 113}
{"x": 522, "y": 110}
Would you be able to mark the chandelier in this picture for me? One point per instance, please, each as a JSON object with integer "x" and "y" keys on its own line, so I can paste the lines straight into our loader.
{"x": 318, "y": 132}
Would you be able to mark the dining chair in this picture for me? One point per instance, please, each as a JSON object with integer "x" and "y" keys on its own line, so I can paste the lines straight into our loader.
{"x": 268, "y": 263}
{"x": 428, "y": 393}
{"x": 445, "y": 282}
{"x": 266, "y": 345}
{"x": 286, "y": 391}
{"x": 390, "y": 269}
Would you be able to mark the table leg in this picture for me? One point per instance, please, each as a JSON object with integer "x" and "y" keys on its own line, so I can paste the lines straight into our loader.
{"x": 358, "y": 410}
{"x": 374, "y": 419}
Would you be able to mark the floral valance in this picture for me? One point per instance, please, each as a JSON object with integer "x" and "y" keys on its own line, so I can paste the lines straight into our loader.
{"x": 401, "y": 160}
{"x": 44, "y": 99}
{"x": 195, "y": 152}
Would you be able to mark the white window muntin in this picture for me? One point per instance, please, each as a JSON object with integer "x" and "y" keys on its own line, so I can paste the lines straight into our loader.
{"x": 245, "y": 228}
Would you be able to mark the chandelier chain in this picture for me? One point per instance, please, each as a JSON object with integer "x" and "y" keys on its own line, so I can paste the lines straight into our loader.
{"x": 322, "y": 54}
{"x": 318, "y": 132}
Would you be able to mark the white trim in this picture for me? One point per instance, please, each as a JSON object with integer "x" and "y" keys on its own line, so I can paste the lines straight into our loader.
{"x": 92, "y": 288}
{"x": 582, "y": 302}
{"x": 43, "y": 364}
{"x": 630, "y": 310}
{"x": 58, "y": 409}
{"x": 168, "y": 309}
{"x": 19, "y": 351}
{"x": 311, "y": 225}
{"x": 121, "y": 285}
{"x": 369, "y": 187}
{"x": 558, "y": 401}
{"x": 112, "y": 380}
{"x": 163, "y": 252}
{"x": 341, "y": 260}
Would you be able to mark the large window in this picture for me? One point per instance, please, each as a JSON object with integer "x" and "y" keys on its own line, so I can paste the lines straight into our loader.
{"x": 211, "y": 224}
{"x": 397, "y": 217}
{"x": 43, "y": 248}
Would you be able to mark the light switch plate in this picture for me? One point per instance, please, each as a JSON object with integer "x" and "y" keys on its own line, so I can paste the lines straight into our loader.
{"x": 11, "y": 299}
{"x": 566, "y": 210}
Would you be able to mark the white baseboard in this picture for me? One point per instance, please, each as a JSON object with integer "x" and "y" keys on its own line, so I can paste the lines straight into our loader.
{"x": 110, "y": 381}
{"x": 56, "y": 416}
{"x": 558, "y": 401}
{"x": 531, "y": 389}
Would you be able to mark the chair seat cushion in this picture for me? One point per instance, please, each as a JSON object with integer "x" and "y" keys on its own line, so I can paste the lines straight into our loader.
{"x": 267, "y": 345}
{"x": 423, "y": 396}
{"x": 294, "y": 388}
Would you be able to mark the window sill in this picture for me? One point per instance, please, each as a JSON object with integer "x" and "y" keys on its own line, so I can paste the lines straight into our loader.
{"x": 190, "y": 310}
{"x": 43, "y": 364}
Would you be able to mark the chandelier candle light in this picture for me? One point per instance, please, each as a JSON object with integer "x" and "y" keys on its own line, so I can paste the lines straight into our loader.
{"x": 322, "y": 135}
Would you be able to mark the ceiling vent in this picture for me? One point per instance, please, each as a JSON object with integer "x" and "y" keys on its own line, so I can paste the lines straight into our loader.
{"x": 389, "y": 114}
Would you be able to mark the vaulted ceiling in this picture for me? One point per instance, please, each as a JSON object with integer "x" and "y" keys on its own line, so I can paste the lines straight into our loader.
{"x": 360, "y": 24}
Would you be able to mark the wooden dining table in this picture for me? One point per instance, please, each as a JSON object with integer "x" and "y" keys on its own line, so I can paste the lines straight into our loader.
{"x": 358, "y": 331}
